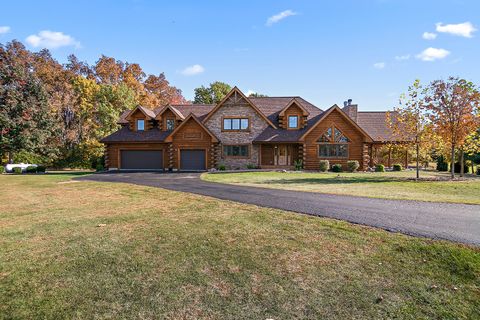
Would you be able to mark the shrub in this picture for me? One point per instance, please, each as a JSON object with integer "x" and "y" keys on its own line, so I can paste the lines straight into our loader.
{"x": 41, "y": 169}
{"x": 17, "y": 170}
{"x": 298, "y": 165}
{"x": 221, "y": 167}
{"x": 31, "y": 169}
{"x": 478, "y": 171}
{"x": 251, "y": 166}
{"x": 397, "y": 167}
{"x": 324, "y": 165}
{"x": 353, "y": 165}
{"x": 442, "y": 165}
{"x": 2, "y": 169}
{"x": 337, "y": 168}
{"x": 99, "y": 167}
{"x": 380, "y": 168}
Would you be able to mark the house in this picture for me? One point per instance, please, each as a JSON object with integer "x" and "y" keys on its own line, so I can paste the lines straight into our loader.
{"x": 266, "y": 132}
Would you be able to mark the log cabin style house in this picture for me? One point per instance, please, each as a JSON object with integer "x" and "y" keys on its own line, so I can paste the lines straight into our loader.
{"x": 241, "y": 132}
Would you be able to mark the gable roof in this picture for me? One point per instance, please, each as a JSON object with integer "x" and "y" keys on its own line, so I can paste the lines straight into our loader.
{"x": 375, "y": 123}
{"x": 294, "y": 102}
{"x": 235, "y": 90}
{"x": 147, "y": 112}
{"x": 175, "y": 111}
{"x": 345, "y": 116}
{"x": 191, "y": 116}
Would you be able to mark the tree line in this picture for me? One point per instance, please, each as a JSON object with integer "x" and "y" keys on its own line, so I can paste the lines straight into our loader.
{"x": 55, "y": 114}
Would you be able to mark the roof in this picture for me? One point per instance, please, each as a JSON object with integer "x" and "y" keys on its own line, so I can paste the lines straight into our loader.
{"x": 375, "y": 124}
{"x": 127, "y": 135}
{"x": 283, "y": 135}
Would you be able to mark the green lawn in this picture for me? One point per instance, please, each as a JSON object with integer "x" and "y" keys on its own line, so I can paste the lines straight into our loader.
{"x": 388, "y": 185}
{"x": 84, "y": 250}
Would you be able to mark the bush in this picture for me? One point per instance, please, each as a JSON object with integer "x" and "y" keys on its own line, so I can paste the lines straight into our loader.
{"x": 2, "y": 169}
{"x": 17, "y": 170}
{"x": 221, "y": 167}
{"x": 380, "y": 168}
{"x": 337, "y": 168}
{"x": 353, "y": 165}
{"x": 251, "y": 166}
{"x": 99, "y": 167}
{"x": 478, "y": 171}
{"x": 397, "y": 167}
{"x": 324, "y": 165}
{"x": 298, "y": 165}
{"x": 442, "y": 165}
{"x": 41, "y": 169}
{"x": 31, "y": 169}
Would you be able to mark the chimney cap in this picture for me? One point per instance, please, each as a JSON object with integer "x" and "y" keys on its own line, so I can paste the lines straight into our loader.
{"x": 350, "y": 101}
{"x": 345, "y": 103}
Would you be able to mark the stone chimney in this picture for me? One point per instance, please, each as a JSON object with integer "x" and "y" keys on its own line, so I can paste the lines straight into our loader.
{"x": 350, "y": 109}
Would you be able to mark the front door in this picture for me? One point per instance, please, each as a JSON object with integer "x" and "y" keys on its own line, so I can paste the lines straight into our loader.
{"x": 282, "y": 155}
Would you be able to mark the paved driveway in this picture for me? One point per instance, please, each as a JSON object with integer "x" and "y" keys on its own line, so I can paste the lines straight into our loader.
{"x": 456, "y": 222}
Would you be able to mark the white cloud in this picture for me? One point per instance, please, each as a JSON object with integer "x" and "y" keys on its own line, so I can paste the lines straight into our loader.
{"x": 432, "y": 54}
{"x": 280, "y": 16}
{"x": 193, "y": 70}
{"x": 4, "y": 29}
{"x": 462, "y": 29}
{"x": 401, "y": 58}
{"x": 249, "y": 92}
{"x": 429, "y": 35}
{"x": 51, "y": 40}
{"x": 379, "y": 65}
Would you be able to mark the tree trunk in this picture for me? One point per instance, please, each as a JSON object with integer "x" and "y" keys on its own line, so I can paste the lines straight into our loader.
{"x": 10, "y": 157}
{"x": 462, "y": 167}
{"x": 418, "y": 154}
{"x": 452, "y": 163}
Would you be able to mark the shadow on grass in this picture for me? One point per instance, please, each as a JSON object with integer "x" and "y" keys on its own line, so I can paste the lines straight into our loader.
{"x": 69, "y": 173}
{"x": 336, "y": 180}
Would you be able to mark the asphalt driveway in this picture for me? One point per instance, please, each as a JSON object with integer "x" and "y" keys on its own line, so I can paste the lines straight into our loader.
{"x": 455, "y": 222}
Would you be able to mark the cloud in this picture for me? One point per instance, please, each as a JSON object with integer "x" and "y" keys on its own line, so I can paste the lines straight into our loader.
{"x": 4, "y": 29}
{"x": 280, "y": 16}
{"x": 249, "y": 92}
{"x": 429, "y": 35}
{"x": 193, "y": 70}
{"x": 462, "y": 29}
{"x": 51, "y": 40}
{"x": 432, "y": 54}
{"x": 379, "y": 65}
{"x": 401, "y": 58}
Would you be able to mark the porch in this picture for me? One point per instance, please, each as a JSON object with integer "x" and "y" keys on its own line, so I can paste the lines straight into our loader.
{"x": 280, "y": 155}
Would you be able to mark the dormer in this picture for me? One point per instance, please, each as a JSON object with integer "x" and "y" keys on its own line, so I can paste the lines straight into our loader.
{"x": 169, "y": 118}
{"x": 293, "y": 117}
{"x": 140, "y": 119}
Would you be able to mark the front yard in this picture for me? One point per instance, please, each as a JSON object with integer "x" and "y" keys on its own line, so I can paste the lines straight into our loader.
{"x": 83, "y": 250}
{"x": 388, "y": 185}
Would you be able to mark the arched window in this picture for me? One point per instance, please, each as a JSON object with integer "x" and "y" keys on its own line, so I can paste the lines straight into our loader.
{"x": 333, "y": 144}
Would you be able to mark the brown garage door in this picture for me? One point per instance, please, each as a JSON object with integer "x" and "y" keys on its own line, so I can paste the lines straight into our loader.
{"x": 141, "y": 159}
{"x": 192, "y": 159}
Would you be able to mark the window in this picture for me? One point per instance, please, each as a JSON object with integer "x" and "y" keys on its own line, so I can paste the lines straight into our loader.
{"x": 293, "y": 121}
{"x": 170, "y": 124}
{"x": 235, "y": 150}
{"x": 140, "y": 125}
{"x": 333, "y": 144}
{"x": 235, "y": 124}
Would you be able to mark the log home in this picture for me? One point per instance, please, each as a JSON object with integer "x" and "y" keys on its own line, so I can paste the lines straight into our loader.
{"x": 241, "y": 132}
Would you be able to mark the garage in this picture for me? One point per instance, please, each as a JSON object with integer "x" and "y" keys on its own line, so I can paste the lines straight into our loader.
{"x": 141, "y": 159}
{"x": 192, "y": 159}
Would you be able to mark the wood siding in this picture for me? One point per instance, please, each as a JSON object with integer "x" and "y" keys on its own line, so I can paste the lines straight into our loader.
{"x": 136, "y": 116}
{"x": 293, "y": 110}
{"x": 355, "y": 146}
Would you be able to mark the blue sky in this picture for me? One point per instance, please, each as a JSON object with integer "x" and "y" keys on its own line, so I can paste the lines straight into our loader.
{"x": 324, "y": 51}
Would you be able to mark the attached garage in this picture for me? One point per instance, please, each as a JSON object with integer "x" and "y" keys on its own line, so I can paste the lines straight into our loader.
{"x": 141, "y": 159}
{"x": 192, "y": 159}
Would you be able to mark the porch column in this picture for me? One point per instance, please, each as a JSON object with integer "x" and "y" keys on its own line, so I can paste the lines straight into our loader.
{"x": 389, "y": 163}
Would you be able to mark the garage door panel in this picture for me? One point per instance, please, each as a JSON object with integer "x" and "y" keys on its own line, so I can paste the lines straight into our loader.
{"x": 192, "y": 159}
{"x": 141, "y": 159}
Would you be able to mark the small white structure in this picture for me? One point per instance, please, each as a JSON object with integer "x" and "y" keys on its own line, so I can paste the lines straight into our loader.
{"x": 9, "y": 167}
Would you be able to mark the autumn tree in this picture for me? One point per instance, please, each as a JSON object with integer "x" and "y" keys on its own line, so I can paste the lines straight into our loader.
{"x": 257, "y": 95}
{"x": 409, "y": 123}
{"x": 452, "y": 106}
{"x": 212, "y": 94}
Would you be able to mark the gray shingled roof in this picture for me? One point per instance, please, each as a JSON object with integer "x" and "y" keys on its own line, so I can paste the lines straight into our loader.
{"x": 127, "y": 135}
{"x": 375, "y": 124}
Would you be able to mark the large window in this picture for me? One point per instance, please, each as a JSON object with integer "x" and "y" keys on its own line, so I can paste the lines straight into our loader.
{"x": 235, "y": 124}
{"x": 170, "y": 123}
{"x": 140, "y": 125}
{"x": 333, "y": 144}
{"x": 293, "y": 121}
{"x": 235, "y": 151}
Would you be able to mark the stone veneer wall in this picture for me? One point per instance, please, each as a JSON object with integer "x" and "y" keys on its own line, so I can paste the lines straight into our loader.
{"x": 257, "y": 125}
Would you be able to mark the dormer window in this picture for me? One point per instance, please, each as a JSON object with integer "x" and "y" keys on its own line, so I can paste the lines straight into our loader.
{"x": 140, "y": 125}
{"x": 170, "y": 124}
{"x": 292, "y": 122}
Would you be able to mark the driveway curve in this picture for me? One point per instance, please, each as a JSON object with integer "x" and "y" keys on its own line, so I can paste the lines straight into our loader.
{"x": 455, "y": 222}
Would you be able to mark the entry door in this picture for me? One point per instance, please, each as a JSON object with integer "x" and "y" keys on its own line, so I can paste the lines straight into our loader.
{"x": 282, "y": 155}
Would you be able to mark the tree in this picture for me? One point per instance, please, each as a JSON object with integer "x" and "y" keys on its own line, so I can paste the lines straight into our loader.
{"x": 410, "y": 123}
{"x": 452, "y": 106}
{"x": 257, "y": 95}
{"x": 25, "y": 119}
{"x": 212, "y": 94}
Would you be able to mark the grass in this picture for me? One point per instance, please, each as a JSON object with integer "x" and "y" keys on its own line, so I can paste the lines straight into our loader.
{"x": 83, "y": 250}
{"x": 387, "y": 185}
